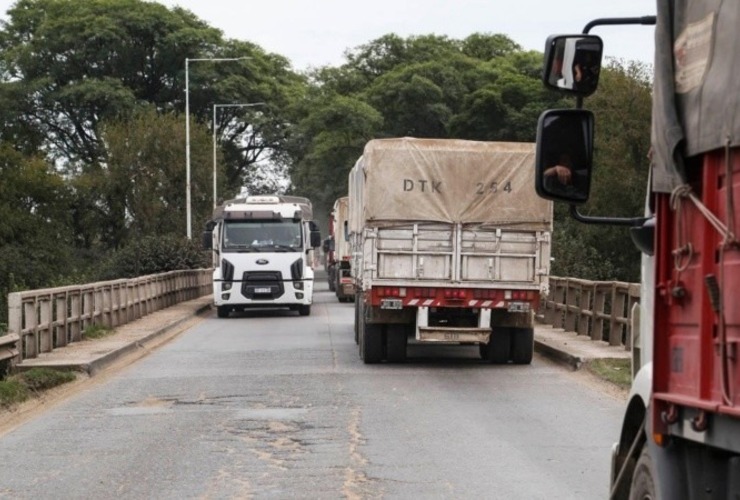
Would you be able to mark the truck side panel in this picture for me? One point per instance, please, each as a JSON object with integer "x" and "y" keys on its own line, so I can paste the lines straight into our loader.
{"x": 696, "y": 347}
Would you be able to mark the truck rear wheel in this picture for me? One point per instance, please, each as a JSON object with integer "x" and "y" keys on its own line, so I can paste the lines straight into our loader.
{"x": 643, "y": 480}
{"x": 371, "y": 342}
{"x": 395, "y": 343}
{"x": 499, "y": 346}
{"x": 522, "y": 345}
{"x": 223, "y": 311}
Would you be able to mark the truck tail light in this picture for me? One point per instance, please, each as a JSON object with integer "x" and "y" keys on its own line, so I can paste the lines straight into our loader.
{"x": 455, "y": 293}
{"x": 388, "y": 291}
{"x": 484, "y": 294}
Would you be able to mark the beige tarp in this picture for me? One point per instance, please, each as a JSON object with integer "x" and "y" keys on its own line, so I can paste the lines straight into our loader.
{"x": 450, "y": 180}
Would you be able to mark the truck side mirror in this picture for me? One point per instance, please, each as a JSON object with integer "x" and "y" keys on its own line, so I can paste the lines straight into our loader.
{"x": 573, "y": 63}
{"x": 315, "y": 239}
{"x": 563, "y": 161}
{"x": 207, "y": 240}
{"x": 644, "y": 236}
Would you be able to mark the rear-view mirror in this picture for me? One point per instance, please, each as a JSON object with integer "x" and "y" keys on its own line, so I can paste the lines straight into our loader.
{"x": 563, "y": 162}
{"x": 573, "y": 63}
{"x": 315, "y": 239}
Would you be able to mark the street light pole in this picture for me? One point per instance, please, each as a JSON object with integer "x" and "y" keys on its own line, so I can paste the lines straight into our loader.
{"x": 187, "y": 133}
{"x": 215, "y": 127}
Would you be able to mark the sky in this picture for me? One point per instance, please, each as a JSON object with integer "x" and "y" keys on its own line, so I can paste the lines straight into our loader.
{"x": 318, "y": 32}
{"x": 313, "y": 33}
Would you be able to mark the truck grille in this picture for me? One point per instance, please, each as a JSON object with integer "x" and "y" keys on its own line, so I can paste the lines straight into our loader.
{"x": 263, "y": 285}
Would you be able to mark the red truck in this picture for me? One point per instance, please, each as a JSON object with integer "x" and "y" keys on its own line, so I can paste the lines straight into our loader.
{"x": 680, "y": 435}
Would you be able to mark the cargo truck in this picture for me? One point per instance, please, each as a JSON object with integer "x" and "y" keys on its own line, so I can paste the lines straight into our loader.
{"x": 680, "y": 435}
{"x": 340, "y": 273}
{"x": 262, "y": 248}
{"x": 450, "y": 244}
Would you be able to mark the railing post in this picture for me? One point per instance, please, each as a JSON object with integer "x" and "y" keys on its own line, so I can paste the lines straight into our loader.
{"x": 584, "y": 306}
{"x": 15, "y": 322}
{"x": 597, "y": 330}
{"x": 617, "y": 311}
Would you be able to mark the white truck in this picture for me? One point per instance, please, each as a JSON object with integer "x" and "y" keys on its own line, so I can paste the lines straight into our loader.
{"x": 340, "y": 273}
{"x": 262, "y": 253}
{"x": 450, "y": 244}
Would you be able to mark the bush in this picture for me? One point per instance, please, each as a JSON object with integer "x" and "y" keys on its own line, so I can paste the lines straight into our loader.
{"x": 152, "y": 255}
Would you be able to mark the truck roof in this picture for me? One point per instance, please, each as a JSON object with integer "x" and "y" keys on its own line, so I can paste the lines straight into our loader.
{"x": 285, "y": 206}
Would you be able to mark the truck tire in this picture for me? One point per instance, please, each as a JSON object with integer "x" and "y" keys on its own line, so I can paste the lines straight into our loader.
{"x": 304, "y": 310}
{"x": 331, "y": 280}
{"x": 223, "y": 311}
{"x": 395, "y": 343}
{"x": 522, "y": 345}
{"x": 643, "y": 480}
{"x": 371, "y": 342}
{"x": 499, "y": 347}
{"x": 358, "y": 317}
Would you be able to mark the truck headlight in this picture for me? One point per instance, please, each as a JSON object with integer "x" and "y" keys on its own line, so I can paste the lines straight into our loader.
{"x": 226, "y": 285}
{"x": 298, "y": 285}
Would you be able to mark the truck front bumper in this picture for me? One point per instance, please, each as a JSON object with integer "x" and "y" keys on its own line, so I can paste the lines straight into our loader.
{"x": 284, "y": 293}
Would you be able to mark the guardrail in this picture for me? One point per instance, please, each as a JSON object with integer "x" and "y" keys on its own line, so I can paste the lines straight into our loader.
{"x": 43, "y": 320}
{"x": 599, "y": 309}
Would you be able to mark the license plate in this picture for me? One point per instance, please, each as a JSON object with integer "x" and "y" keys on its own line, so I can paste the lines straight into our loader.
{"x": 262, "y": 290}
{"x": 391, "y": 304}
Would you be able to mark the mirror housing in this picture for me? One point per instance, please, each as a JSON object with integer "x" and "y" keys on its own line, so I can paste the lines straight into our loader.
{"x": 207, "y": 240}
{"x": 573, "y": 63}
{"x": 563, "y": 162}
{"x": 644, "y": 236}
{"x": 315, "y": 241}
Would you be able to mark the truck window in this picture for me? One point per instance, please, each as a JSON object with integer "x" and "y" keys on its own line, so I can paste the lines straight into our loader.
{"x": 262, "y": 235}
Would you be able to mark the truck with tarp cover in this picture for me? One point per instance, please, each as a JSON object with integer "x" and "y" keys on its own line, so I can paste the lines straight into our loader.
{"x": 680, "y": 434}
{"x": 340, "y": 263}
{"x": 450, "y": 244}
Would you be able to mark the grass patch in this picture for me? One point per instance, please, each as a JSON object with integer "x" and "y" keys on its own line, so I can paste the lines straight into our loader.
{"x": 12, "y": 391}
{"x": 96, "y": 332}
{"x": 616, "y": 371}
{"x": 18, "y": 388}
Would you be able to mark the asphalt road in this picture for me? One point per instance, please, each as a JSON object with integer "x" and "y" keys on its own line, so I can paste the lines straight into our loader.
{"x": 274, "y": 405}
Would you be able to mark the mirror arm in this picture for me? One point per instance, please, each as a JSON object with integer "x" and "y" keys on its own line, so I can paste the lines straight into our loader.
{"x": 613, "y": 221}
{"x": 606, "y": 21}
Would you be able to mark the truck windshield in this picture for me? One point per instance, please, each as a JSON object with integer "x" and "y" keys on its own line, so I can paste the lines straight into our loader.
{"x": 262, "y": 236}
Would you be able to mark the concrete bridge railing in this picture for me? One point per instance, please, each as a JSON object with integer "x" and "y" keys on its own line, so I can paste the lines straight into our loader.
{"x": 43, "y": 320}
{"x": 602, "y": 310}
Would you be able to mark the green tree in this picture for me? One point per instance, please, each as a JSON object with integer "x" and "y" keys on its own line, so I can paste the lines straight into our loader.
{"x": 82, "y": 61}
{"x": 144, "y": 169}
{"x": 35, "y": 247}
{"x": 622, "y": 108}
